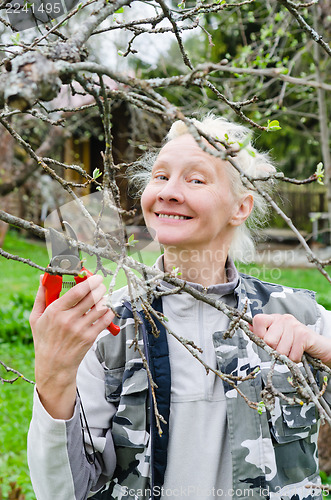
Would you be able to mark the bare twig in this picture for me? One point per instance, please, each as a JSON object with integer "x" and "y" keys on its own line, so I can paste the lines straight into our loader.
{"x": 11, "y": 370}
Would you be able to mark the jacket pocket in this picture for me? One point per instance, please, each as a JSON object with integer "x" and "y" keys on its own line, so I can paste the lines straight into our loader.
{"x": 113, "y": 384}
{"x": 290, "y": 422}
{"x": 294, "y": 422}
{"x": 129, "y": 422}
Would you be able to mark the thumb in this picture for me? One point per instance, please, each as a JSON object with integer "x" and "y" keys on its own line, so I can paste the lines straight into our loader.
{"x": 39, "y": 305}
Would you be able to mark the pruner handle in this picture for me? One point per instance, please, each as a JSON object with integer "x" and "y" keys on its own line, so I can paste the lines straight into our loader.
{"x": 113, "y": 329}
{"x": 53, "y": 287}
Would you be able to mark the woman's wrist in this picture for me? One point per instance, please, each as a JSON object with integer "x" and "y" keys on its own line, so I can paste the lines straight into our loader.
{"x": 57, "y": 399}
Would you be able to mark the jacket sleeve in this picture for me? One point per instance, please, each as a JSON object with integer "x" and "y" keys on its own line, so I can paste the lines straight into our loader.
{"x": 57, "y": 459}
{"x": 325, "y": 330}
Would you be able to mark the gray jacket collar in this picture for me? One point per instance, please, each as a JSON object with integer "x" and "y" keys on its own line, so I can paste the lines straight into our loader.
{"x": 219, "y": 289}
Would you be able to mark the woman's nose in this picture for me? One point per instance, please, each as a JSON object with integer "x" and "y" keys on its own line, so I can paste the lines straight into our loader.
{"x": 171, "y": 191}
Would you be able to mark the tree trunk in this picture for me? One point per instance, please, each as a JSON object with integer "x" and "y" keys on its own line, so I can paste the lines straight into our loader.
{"x": 324, "y": 438}
{"x": 323, "y": 122}
{"x": 6, "y": 173}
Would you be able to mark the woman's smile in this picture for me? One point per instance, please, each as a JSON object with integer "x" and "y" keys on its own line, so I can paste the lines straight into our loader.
{"x": 169, "y": 217}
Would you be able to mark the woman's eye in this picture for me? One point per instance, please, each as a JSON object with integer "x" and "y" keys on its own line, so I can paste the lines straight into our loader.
{"x": 161, "y": 177}
{"x": 197, "y": 181}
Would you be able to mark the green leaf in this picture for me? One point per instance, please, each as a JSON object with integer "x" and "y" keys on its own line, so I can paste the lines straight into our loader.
{"x": 244, "y": 144}
{"x": 96, "y": 173}
{"x": 175, "y": 271}
{"x": 227, "y": 140}
{"x": 119, "y": 11}
{"x": 131, "y": 241}
{"x": 319, "y": 173}
{"x": 15, "y": 39}
{"x": 260, "y": 407}
{"x": 273, "y": 125}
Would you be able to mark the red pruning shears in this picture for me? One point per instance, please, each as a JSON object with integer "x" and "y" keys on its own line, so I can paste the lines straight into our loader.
{"x": 67, "y": 257}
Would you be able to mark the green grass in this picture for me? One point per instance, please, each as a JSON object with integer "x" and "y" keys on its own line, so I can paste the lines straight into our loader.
{"x": 309, "y": 278}
{"x": 17, "y": 277}
{"x": 16, "y": 399}
{"x": 15, "y": 414}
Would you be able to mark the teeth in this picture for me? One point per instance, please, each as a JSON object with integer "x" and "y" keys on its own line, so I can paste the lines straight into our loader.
{"x": 166, "y": 216}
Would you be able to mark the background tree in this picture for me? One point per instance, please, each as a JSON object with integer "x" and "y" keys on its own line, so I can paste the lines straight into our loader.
{"x": 265, "y": 53}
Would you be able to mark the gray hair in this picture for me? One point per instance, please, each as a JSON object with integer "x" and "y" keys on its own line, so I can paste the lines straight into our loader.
{"x": 248, "y": 159}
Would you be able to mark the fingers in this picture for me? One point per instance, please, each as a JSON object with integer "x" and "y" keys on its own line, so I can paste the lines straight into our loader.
{"x": 283, "y": 333}
{"x": 69, "y": 312}
{"x": 296, "y": 352}
{"x": 285, "y": 342}
{"x": 83, "y": 309}
{"x": 39, "y": 305}
{"x": 86, "y": 294}
{"x": 101, "y": 323}
{"x": 261, "y": 323}
{"x": 77, "y": 293}
{"x": 95, "y": 299}
{"x": 97, "y": 312}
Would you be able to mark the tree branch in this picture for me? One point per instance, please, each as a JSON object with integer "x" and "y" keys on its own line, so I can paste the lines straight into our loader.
{"x": 11, "y": 370}
{"x": 292, "y": 8}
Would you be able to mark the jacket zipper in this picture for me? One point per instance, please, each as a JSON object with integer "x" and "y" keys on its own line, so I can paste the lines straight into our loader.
{"x": 201, "y": 337}
{"x": 146, "y": 344}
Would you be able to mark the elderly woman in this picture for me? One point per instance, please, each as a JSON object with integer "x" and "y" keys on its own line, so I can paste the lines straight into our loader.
{"x": 213, "y": 444}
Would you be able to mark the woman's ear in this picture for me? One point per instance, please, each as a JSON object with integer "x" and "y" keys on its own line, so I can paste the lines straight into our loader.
{"x": 244, "y": 208}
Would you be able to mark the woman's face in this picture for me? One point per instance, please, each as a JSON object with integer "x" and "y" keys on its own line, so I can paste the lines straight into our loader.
{"x": 188, "y": 202}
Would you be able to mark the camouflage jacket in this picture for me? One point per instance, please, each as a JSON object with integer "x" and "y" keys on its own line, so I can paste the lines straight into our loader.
{"x": 274, "y": 456}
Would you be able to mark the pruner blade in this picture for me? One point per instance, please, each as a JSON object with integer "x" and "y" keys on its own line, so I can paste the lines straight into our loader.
{"x": 64, "y": 254}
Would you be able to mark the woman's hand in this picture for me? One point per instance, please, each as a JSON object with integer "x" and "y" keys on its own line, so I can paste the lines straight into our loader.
{"x": 63, "y": 333}
{"x": 285, "y": 334}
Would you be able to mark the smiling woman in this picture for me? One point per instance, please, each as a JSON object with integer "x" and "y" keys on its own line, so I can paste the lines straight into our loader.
{"x": 211, "y": 442}
{"x": 201, "y": 168}
{"x": 189, "y": 205}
